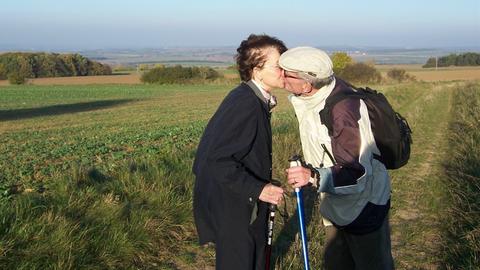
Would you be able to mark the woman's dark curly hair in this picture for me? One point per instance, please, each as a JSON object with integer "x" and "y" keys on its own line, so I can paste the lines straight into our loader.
{"x": 250, "y": 55}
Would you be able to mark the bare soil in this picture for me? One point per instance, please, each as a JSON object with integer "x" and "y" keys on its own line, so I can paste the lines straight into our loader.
{"x": 82, "y": 80}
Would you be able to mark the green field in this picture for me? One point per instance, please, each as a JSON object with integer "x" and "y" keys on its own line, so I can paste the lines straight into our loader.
{"x": 99, "y": 177}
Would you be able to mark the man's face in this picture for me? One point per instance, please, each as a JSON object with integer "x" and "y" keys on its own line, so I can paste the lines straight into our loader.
{"x": 295, "y": 84}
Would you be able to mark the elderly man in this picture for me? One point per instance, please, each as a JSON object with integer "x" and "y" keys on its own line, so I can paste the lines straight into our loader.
{"x": 354, "y": 186}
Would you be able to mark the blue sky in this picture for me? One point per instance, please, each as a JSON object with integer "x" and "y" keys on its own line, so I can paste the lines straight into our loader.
{"x": 101, "y": 24}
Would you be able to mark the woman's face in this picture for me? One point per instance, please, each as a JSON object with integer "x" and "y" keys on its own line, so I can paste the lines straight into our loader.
{"x": 270, "y": 75}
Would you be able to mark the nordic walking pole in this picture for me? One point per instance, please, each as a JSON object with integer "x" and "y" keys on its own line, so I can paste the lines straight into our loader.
{"x": 268, "y": 248}
{"x": 271, "y": 218}
{"x": 296, "y": 161}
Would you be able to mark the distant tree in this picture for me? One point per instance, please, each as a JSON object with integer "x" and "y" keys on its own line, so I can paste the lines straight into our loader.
{"x": 47, "y": 66}
{"x": 179, "y": 74}
{"x": 25, "y": 66}
{"x": 361, "y": 73}
{"x": 35, "y": 65}
{"x": 450, "y": 60}
{"x": 466, "y": 59}
{"x": 340, "y": 61}
{"x": 70, "y": 65}
{"x": 16, "y": 78}
{"x": 3, "y": 72}
{"x": 431, "y": 62}
{"x": 95, "y": 68}
{"x": 399, "y": 75}
{"x": 206, "y": 73}
{"x": 34, "y": 60}
{"x": 82, "y": 64}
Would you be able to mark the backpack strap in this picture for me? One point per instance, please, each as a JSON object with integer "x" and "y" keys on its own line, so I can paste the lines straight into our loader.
{"x": 326, "y": 113}
{"x": 330, "y": 102}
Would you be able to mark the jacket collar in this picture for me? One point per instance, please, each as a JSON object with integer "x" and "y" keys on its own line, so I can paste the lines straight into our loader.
{"x": 270, "y": 103}
{"x": 256, "y": 90}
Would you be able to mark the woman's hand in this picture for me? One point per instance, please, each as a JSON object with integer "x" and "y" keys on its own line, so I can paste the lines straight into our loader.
{"x": 271, "y": 194}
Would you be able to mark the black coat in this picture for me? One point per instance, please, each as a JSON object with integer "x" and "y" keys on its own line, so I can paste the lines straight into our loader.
{"x": 232, "y": 165}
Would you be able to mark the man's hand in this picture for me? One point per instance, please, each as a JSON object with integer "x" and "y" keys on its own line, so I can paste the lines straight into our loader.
{"x": 298, "y": 176}
{"x": 271, "y": 194}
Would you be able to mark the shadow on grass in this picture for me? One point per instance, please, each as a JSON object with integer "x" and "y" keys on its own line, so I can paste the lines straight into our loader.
{"x": 18, "y": 114}
{"x": 286, "y": 237}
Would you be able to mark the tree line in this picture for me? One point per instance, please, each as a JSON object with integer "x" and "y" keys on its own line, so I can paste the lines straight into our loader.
{"x": 179, "y": 74}
{"x": 39, "y": 65}
{"x": 364, "y": 73}
{"x": 465, "y": 59}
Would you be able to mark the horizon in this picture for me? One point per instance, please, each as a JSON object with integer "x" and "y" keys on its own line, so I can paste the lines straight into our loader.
{"x": 109, "y": 25}
{"x": 459, "y": 48}
{"x": 224, "y": 55}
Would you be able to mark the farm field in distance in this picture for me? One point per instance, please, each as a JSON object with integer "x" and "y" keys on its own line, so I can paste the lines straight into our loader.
{"x": 98, "y": 176}
{"x": 422, "y": 74}
{"x": 433, "y": 75}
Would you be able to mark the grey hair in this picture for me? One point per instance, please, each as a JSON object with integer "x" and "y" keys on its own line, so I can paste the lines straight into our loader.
{"x": 317, "y": 83}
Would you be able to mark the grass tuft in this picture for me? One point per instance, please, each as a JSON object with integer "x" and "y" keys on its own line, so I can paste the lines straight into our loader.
{"x": 462, "y": 217}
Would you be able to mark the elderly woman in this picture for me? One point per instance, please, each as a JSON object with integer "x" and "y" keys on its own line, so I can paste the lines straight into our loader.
{"x": 233, "y": 164}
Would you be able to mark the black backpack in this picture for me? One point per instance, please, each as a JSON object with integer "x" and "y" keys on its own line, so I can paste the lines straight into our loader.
{"x": 391, "y": 131}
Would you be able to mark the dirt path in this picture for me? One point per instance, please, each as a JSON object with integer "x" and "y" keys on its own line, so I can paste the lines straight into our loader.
{"x": 416, "y": 189}
{"x": 416, "y": 196}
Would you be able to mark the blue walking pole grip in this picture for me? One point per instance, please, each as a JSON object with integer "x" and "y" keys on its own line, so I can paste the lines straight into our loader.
{"x": 295, "y": 161}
